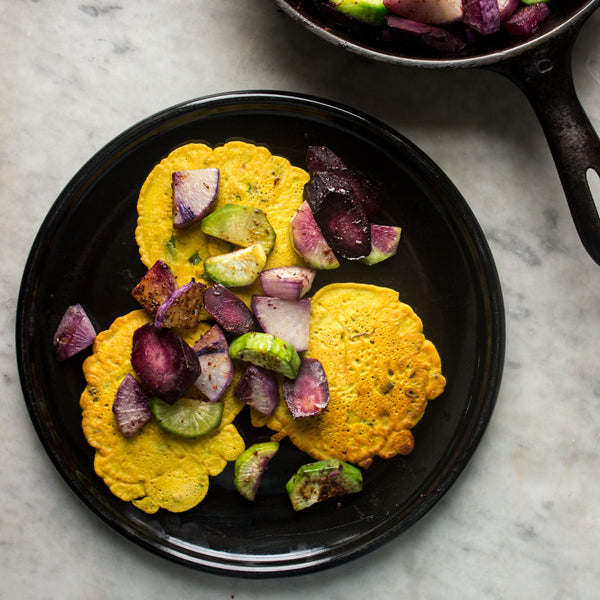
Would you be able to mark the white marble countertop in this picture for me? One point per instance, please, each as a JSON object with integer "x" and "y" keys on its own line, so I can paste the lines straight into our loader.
{"x": 523, "y": 520}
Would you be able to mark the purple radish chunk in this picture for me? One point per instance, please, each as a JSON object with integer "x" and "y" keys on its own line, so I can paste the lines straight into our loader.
{"x": 507, "y": 8}
{"x": 322, "y": 159}
{"x": 216, "y": 374}
{"x": 439, "y": 12}
{"x": 182, "y": 308}
{"x": 308, "y": 241}
{"x": 258, "y": 388}
{"x": 308, "y": 394}
{"x": 339, "y": 215}
{"x": 288, "y": 320}
{"x": 527, "y": 19}
{"x": 131, "y": 406}
{"x": 166, "y": 365}
{"x": 384, "y": 243}
{"x": 229, "y": 311}
{"x": 289, "y": 283}
{"x": 74, "y": 333}
{"x": 212, "y": 342}
{"x": 194, "y": 194}
{"x": 430, "y": 35}
{"x": 216, "y": 366}
{"x": 482, "y": 15}
{"x": 155, "y": 287}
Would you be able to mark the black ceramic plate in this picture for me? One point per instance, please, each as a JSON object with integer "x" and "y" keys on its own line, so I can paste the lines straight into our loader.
{"x": 85, "y": 252}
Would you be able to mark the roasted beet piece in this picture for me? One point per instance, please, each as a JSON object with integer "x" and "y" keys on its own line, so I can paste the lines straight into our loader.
{"x": 308, "y": 394}
{"x": 339, "y": 215}
{"x": 166, "y": 365}
{"x": 155, "y": 287}
{"x": 131, "y": 406}
{"x": 74, "y": 333}
{"x": 258, "y": 388}
{"x": 182, "y": 308}
{"x": 229, "y": 311}
{"x": 322, "y": 159}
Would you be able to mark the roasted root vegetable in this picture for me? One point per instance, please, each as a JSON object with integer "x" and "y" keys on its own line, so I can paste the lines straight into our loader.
{"x": 527, "y": 19}
{"x": 250, "y": 467}
{"x": 286, "y": 319}
{"x": 165, "y": 364}
{"x": 258, "y": 388}
{"x": 289, "y": 283}
{"x": 339, "y": 215}
{"x": 308, "y": 241}
{"x": 433, "y": 13}
{"x": 194, "y": 194}
{"x": 74, "y": 333}
{"x": 131, "y": 406}
{"x": 229, "y": 311}
{"x": 216, "y": 367}
{"x": 321, "y": 480}
{"x": 155, "y": 287}
{"x": 308, "y": 394}
{"x": 384, "y": 243}
{"x": 182, "y": 308}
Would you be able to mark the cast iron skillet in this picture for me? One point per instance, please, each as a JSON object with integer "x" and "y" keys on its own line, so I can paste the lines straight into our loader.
{"x": 539, "y": 64}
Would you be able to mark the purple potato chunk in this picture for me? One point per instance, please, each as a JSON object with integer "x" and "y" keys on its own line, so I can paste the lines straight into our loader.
{"x": 527, "y": 19}
{"x": 308, "y": 241}
{"x": 229, "y": 311}
{"x": 430, "y": 35}
{"x": 182, "y": 308}
{"x": 288, "y": 320}
{"x": 194, "y": 194}
{"x": 165, "y": 364}
{"x": 155, "y": 287}
{"x": 74, "y": 333}
{"x": 289, "y": 283}
{"x": 258, "y": 388}
{"x": 482, "y": 15}
{"x": 322, "y": 159}
{"x": 339, "y": 215}
{"x": 308, "y": 394}
{"x": 131, "y": 406}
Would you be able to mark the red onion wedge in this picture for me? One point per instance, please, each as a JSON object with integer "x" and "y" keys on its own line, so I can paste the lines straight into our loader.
{"x": 431, "y": 35}
{"x": 74, "y": 333}
{"x": 229, "y": 311}
{"x": 482, "y": 15}
{"x": 258, "y": 388}
{"x": 131, "y": 406}
{"x": 308, "y": 241}
{"x": 155, "y": 287}
{"x": 165, "y": 364}
{"x": 216, "y": 366}
{"x": 194, "y": 194}
{"x": 339, "y": 215}
{"x": 438, "y": 12}
{"x": 288, "y": 320}
{"x": 289, "y": 283}
{"x": 308, "y": 394}
{"x": 527, "y": 19}
{"x": 182, "y": 308}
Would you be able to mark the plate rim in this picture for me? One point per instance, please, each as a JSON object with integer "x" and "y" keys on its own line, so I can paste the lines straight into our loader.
{"x": 495, "y": 353}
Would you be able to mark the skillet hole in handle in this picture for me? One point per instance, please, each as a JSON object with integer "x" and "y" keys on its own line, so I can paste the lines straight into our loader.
{"x": 544, "y": 74}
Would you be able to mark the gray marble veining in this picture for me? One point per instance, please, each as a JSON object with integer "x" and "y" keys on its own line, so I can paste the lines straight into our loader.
{"x": 523, "y": 520}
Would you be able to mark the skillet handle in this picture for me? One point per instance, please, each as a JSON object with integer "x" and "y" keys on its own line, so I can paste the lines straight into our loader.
{"x": 546, "y": 78}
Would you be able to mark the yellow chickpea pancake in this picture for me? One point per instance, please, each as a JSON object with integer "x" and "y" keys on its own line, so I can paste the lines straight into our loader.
{"x": 381, "y": 372}
{"x": 249, "y": 176}
{"x": 152, "y": 469}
